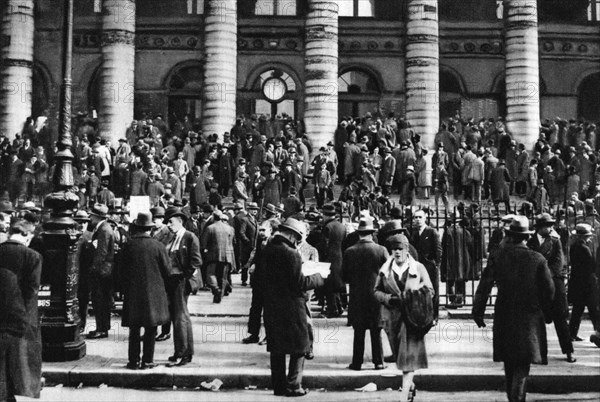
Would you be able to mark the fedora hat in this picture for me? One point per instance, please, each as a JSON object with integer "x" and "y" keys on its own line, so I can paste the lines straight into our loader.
{"x": 398, "y": 241}
{"x": 252, "y": 205}
{"x": 583, "y": 229}
{"x": 238, "y": 205}
{"x": 365, "y": 225}
{"x": 329, "y": 210}
{"x": 157, "y": 212}
{"x": 292, "y": 225}
{"x": 81, "y": 216}
{"x": 172, "y": 212}
{"x": 270, "y": 208}
{"x": 392, "y": 227}
{"x": 520, "y": 225}
{"x": 143, "y": 221}
{"x": 99, "y": 210}
{"x": 544, "y": 219}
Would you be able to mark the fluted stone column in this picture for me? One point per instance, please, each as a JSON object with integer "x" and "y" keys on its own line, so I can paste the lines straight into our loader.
{"x": 117, "y": 74}
{"x": 220, "y": 66}
{"x": 321, "y": 72}
{"x": 522, "y": 71}
{"x": 423, "y": 69}
{"x": 16, "y": 74}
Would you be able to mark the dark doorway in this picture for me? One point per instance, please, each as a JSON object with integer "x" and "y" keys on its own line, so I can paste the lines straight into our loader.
{"x": 588, "y": 95}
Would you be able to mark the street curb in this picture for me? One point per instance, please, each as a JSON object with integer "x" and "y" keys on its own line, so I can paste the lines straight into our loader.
{"x": 163, "y": 377}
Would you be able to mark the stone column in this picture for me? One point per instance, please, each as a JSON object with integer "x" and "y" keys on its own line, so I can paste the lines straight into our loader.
{"x": 16, "y": 73}
{"x": 117, "y": 74}
{"x": 522, "y": 71}
{"x": 321, "y": 72}
{"x": 220, "y": 67}
{"x": 423, "y": 69}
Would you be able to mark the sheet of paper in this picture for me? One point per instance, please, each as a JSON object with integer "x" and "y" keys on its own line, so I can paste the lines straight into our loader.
{"x": 312, "y": 267}
{"x": 138, "y": 204}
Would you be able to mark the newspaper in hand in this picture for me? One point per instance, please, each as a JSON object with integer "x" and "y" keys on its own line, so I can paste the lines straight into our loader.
{"x": 313, "y": 267}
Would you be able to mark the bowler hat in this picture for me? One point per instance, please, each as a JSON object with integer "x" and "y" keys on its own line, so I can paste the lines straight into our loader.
{"x": 99, "y": 210}
{"x": 172, "y": 212}
{"x": 519, "y": 225}
{"x": 392, "y": 227}
{"x": 583, "y": 229}
{"x": 143, "y": 221}
{"x": 544, "y": 219}
{"x": 238, "y": 205}
{"x": 6, "y": 207}
{"x": 292, "y": 225}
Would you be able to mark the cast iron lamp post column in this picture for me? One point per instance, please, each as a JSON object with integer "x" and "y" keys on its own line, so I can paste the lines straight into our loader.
{"x": 61, "y": 339}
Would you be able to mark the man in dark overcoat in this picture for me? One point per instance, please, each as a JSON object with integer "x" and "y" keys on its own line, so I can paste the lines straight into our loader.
{"x": 146, "y": 267}
{"x": 361, "y": 266}
{"x": 427, "y": 242}
{"x": 20, "y": 337}
{"x": 248, "y": 231}
{"x": 286, "y": 321}
{"x": 101, "y": 270}
{"x": 456, "y": 267}
{"x": 333, "y": 234}
{"x": 500, "y": 180}
{"x": 523, "y": 304}
{"x": 547, "y": 242}
{"x": 184, "y": 253}
{"x": 583, "y": 283}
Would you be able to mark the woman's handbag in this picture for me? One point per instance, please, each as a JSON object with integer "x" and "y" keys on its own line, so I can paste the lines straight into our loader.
{"x": 418, "y": 310}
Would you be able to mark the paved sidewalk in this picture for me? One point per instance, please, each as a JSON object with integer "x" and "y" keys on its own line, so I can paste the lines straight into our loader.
{"x": 460, "y": 357}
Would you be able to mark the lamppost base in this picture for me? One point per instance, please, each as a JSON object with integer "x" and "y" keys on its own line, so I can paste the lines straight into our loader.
{"x": 68, "y": 343}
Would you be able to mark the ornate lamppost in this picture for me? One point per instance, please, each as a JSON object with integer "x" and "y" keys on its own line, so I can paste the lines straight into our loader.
{"x": 61, "y": 339}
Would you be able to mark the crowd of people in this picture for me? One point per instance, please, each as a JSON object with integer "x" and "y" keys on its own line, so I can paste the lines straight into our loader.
{"x": 243, "y": 204}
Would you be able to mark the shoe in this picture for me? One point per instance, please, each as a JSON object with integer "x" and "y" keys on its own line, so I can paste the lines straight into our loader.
{"x": 309, "y": 355}
{"x": 250, "y": 339}
{"x": 576, "y": 339}
{"x": 244, "y": 284}
{"x": 182, "y": 361}
{"x": 97, "y": 335}
{"x": 173, "y": 358}
{"x": 570, "y": 358}
{"x": 279, "y": 393}
{"x": 353, "y": 367}
{"x": 390, "y": 359}
{"x": 263, "y": 341}
{"x": 452, "y": 306}
{"x": 412, "y": 393}
{"x": 380, "y": 367}
{"x": 296, "y": 392}
{"x": 148, "y": 366}
{"x": 217, "y": 299}
{"x": 163, "y": 337}
{"x": 132, "y": 366}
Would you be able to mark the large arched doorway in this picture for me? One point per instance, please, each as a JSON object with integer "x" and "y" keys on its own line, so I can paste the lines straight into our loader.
{"x": 588, "y": 96}
{"x": 274, "y": 94}
{"x": 184, "y": 87}
{"x": 451, "y": 94}
{"x": 359, "y": 92}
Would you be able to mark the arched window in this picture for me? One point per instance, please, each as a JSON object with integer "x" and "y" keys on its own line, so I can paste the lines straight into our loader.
{"x": 450, "y": 94}
{"x": 356, "y": 8}
{"x": 358, "y": 92}
{"x": 588, "y": 96}
{"x": 277, "y": 91}
{"x": 275, "y": 7}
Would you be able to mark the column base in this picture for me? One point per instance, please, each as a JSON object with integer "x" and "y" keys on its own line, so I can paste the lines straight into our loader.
{"x": 61, "y": 343}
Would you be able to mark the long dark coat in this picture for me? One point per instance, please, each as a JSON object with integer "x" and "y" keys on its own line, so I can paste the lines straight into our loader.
{"x": 272, "y": 191}
{"x": 583, "y": 279}
{"x": 146, "y": 267}
{"x": 499, "y": 179}
{"x": 457, "y": 244}
{"x": 284, "y": 286}
{"x": 525, "y": 292}
{"x": 334, "y": 234}
{"x": 361, "y": 266}
{"x": 20, "y": 272}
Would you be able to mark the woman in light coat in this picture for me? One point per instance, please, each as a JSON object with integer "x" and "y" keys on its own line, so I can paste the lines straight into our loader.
{"x": 399, "y": 274}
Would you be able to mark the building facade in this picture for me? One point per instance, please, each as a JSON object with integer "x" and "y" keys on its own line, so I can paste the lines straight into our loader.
{"x": 315, "y": 60}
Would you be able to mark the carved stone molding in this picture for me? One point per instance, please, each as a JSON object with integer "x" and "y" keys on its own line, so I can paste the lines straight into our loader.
{"x": 472, "y": 47}
{"x": 114, "y": 37}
